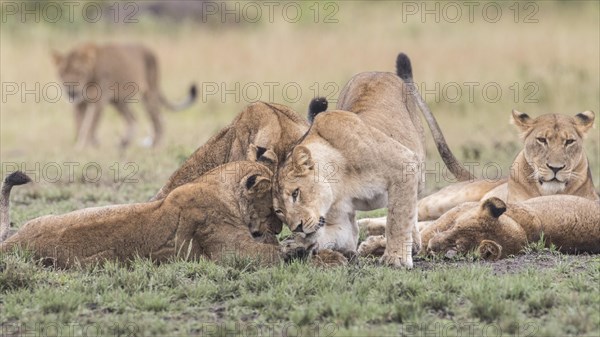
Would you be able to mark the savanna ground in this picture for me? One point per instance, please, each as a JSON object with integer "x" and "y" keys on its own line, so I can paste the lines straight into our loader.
{"x": 546, "y": 66}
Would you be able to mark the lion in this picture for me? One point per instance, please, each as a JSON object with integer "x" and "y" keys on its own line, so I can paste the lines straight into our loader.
{"x": 553, "y": 161}
{"x": 498, "y": 229}
{"x": 226, "y": 212}
{"x": 365, "y": 155}
{"x": 210, "y": 217}
{"x": 265, "y": 125}
{"x": 118, "y": 74}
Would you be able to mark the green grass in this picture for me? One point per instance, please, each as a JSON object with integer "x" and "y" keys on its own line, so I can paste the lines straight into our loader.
{"x": 541, "y": 293}
{"x": 187, "y": 298}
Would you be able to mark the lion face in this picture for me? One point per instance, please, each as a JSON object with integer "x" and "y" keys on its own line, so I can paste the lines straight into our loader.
{"x": 301, "y": 198}
{"x": 477, "y": 227}
{"x": 76, "y": 70}
{"x": 257, "y": 196}
{"x": 553, "y": 147}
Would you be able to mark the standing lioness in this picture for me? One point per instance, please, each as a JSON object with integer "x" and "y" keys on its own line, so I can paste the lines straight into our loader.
{"x": 96, "y": 75}
{"x": 366, "y": 155}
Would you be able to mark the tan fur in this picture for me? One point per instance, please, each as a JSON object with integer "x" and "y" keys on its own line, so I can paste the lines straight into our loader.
{"x": 266, "y": 125}
{"x": 208, "y": 217}
{"x": 372, "y": 226}
{"x": 529, "y": 173}
{"x": 375, "y": 243}
{"x": 433, "y": 206}
{"x": 552, "y": 142}
{"x": 497, "y": 229}
{"x": 366, "y": 155}
{"x": 115, "y": 74}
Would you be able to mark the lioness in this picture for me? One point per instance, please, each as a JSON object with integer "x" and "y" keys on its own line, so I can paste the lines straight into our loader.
{"x": 497, "y": 229}
{"x": 552, "y": 162}
{"x": 96, "y": 75}
{"x": 210, "y": 217}
{"x": 366, "y": 155}
{"x": 265, "y": 125}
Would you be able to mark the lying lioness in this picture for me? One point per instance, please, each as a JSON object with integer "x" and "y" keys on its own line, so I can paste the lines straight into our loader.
{"x": 210, "y": 217}
{"x": 498, "y": 229}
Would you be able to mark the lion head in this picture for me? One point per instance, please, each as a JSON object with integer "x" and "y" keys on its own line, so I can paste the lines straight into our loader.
{"x": 479, "y": 226}
{"x": 554, "y": 148}
{"x": 76, "y": 69}
{"x": 301, "y": 198}
{"x": 256, "y": 202}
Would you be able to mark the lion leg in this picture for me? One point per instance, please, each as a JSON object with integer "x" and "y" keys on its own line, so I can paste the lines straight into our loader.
{"x": 401, "y": 221}
{"x": 435, "y": 205}
{"x": 373, "y": 226}
{"x": 125, "y": 111}
{"x": 79, "y": 113}
{"x": 89, "y": 124}
{"x": 339, "y": 234}
{"x": 152, "y": 105}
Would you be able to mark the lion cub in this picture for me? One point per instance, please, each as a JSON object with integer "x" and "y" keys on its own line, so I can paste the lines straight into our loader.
{"x": 210, "y": 217}
{"x": 97, "y": 75}
{"x": 498, "y": 229}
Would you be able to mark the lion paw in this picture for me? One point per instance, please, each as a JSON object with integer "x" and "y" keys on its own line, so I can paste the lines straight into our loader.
{"x": 329, "y": 258}
{"x": 396, "y": 260}
{"x": 372, "y": 246}
{"x": 297, "y": 248}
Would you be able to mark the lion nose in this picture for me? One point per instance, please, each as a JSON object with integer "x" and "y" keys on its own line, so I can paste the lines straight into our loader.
{"x": 555, "y": 169}
{"x": 298, "y": 229}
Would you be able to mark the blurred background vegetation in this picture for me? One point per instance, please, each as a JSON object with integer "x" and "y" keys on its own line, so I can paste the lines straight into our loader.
{"x": 543, "y": 56}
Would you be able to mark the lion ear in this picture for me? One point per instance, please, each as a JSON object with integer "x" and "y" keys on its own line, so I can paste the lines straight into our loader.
{"x": 584, "y": 121}
{"x": 521, "y": 120}
{"x": 254, "y": 152}
{"x": 257, "y": 184}
{"x": 57, "y": 57}
{"x": 493, "y": 207}
{"x": 302, "y": 160}
{"x": 489, "y": 250}
{"x": 263, "y": 155}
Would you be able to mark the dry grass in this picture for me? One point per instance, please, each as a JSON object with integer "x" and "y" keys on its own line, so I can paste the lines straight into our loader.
{"x": 558, "y": 54}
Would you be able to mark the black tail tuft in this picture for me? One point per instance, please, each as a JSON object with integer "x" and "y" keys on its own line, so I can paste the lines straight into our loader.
{"x": 404, "y": 68}
{"x": 193, "y": 92}
{"x": 16, "y": 178}
{"x": 317, "y": 105}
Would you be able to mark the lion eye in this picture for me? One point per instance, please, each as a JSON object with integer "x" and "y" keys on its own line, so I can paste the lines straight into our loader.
{"x": 295, "y": 194}
{"x": 569, "y": 141}
{"x": 541, "y": 140}
{"x": 278, "y": 211}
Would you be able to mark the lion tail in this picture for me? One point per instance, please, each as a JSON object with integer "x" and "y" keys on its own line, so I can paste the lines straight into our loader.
{"x": 187, "y": 102}
{"x": 404, "y": 71}
{"x": 153, "y": 80}
{"x": 13, "y": 179}
{"x": 316, "y": 106}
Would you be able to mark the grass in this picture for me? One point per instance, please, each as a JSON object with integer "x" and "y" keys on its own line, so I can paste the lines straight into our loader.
{"x": 189, "y": 298}
{"x": 541, "y": 293}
